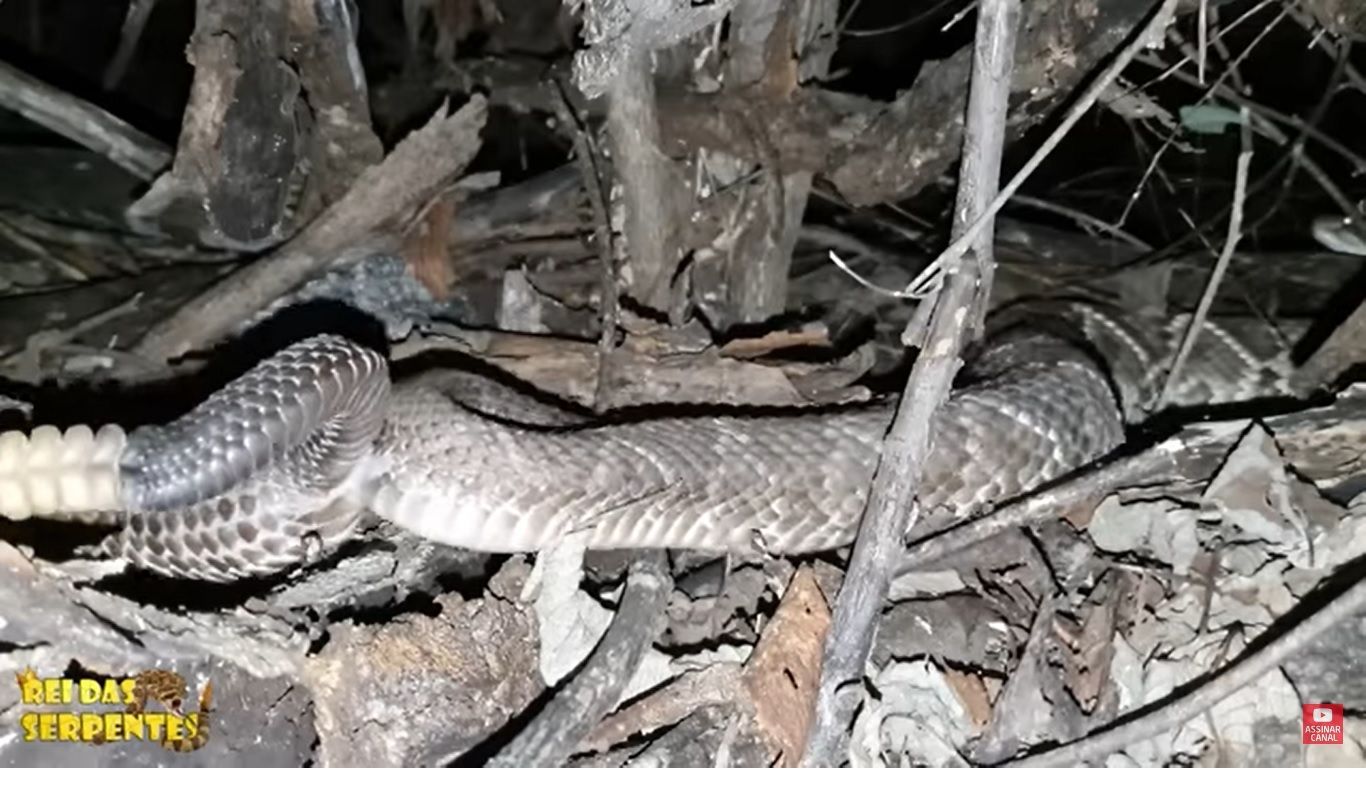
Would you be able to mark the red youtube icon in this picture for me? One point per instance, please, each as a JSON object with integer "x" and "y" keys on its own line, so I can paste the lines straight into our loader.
{"x": 1323, "y": 724}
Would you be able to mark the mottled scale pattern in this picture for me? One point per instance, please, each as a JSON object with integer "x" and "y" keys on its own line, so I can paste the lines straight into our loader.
{"x": 273, "y": 470}
{"x": 1233, "y": 359}
{"x": 776, "y": 483}
{"x": 263, "y": 527}
{"x": 324, "y": 396}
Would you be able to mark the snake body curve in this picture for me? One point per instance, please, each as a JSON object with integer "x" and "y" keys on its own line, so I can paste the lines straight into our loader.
{"x": 275, "y": 468}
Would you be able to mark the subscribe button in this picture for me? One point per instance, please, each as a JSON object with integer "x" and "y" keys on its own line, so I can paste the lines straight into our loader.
{"x": 1323, "y": 724}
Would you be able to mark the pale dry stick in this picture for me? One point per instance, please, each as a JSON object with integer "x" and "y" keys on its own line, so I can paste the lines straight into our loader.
{"x": 1163, "y": 717}
{"x": 1235, "y": 232}
{"x": 33, "y": 247}
{"x": 1235, "y": 75}
{"x": 1202, "y": 38}
{"x": 83, "y": 123}
{"x": 648, "y": 195}
{"x": 890, "y": 508}
{"x": 715, "y": 685}
{"x": 129, "y": 35}
{"x": 954, "y": 252}
{"x": 1086, "y": 488}
{"x": 26, "y": 358}
{"x": 864, "y": 282}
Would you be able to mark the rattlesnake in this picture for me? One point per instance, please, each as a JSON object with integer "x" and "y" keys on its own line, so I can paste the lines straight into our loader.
{"x": 276, "y": 468}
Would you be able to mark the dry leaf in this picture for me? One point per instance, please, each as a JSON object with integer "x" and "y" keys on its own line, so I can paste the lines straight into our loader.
{"x": 784, "y": 673}
{"x": 972, "y": 691}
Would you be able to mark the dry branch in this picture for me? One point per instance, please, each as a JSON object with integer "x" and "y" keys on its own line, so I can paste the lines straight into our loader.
{"x": 889, "y": 511}
{"x": 384, "y": 200}
{"x": 83, "y": 122}
{"x": 597, "y": 687}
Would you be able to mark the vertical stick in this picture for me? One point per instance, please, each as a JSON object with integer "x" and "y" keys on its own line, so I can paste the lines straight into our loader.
{"x": 891, "y": 510}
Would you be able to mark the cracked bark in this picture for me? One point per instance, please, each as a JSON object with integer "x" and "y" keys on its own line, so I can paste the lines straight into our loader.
{"x": 766, "y": 45}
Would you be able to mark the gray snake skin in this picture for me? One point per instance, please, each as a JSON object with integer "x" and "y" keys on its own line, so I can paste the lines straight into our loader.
{"x": 275, "y": 469}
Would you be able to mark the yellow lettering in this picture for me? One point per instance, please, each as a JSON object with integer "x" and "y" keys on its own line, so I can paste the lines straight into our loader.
{"x": 32, "y": 691}
{"x": 126, "y": 687}
{"x": 192, "y": 725}
{"x": 91, "y": 727}
{"x": 113, "y": 726}
{"x": 52, "y": 692}
{"x": 30, "y": 723}
{"x": 112, "y": 694}
{"x": 47, "y": 726}
{"x": 68, "y": 727}
{"x": 134, "y": 727}
{"x": 88, "y": 690}
{"x": 175, "y": 728}
{"x": 156, "y": 724}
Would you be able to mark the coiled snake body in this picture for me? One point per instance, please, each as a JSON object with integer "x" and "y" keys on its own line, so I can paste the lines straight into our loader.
{"x": 275, "y": 468}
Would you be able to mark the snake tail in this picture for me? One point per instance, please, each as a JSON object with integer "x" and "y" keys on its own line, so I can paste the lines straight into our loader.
{"x": 51, "y": 471}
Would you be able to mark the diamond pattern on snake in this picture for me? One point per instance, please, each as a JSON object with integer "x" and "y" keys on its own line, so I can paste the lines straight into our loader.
{"x": 279, "y": 467}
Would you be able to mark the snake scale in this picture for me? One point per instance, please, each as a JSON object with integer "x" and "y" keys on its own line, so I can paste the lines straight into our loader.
{"x": 276, "y": 468}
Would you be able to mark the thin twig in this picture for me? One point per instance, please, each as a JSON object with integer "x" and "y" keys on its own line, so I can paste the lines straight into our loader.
{"x": 1305, "y": 127}
{"x": 965, "y": 240}
{"x": 1044, "y": 504}
{"x": 1230, "y": 69}
{"x": 864, "y": 282}
{"x": 890, "y": 507}
{"x": 897, "y": 26}
{"x": 1163, "y": 717}
{"x": 1202, "y": 38}
{"x": 1082, "y": 218}
{"x": 129, "y": 36}
{"x": 1235, "y": 233}
{"x": 1218, "y": 36}
{"x": 585, "y": 155}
